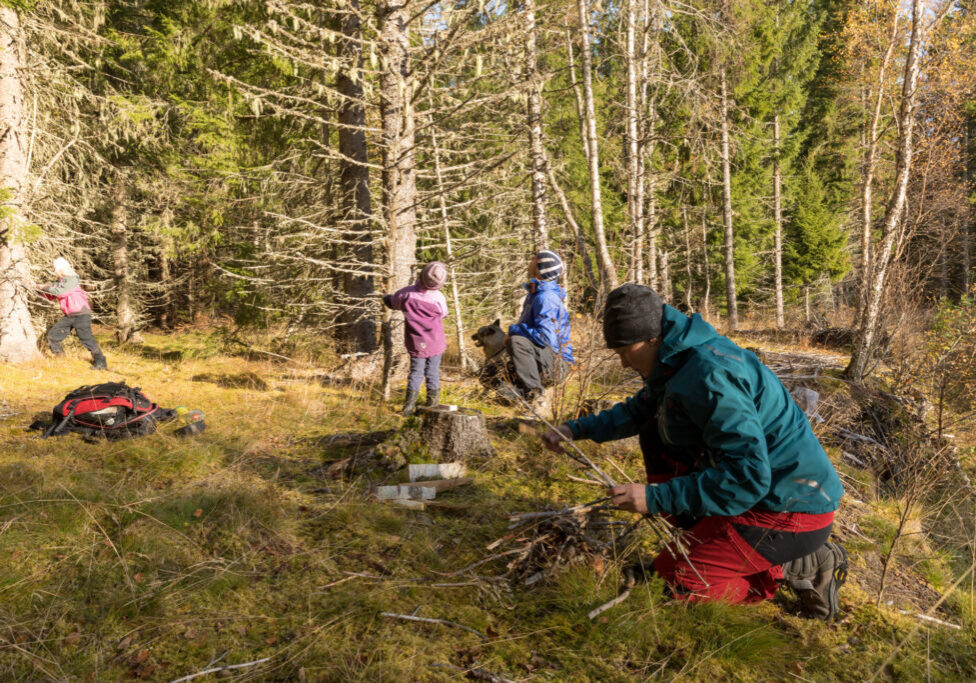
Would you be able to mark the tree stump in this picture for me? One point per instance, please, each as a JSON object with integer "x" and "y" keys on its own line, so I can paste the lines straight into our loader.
{"x": 454, "y": 435}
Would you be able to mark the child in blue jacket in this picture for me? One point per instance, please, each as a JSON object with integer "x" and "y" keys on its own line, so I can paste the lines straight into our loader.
{"x": 539, "y": 342}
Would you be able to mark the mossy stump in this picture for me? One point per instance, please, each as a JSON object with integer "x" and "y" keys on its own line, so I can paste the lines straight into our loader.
{"x": 454, "y": 435}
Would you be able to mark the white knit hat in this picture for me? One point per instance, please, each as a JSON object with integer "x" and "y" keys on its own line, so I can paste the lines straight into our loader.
{"x": 62, "y": 268}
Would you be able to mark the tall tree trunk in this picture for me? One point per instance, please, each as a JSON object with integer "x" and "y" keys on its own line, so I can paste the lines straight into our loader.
{"x": 891, "y": 228}
{"x": 870, "y": 142}
{"x": 665, "y": 275}
{"x": 449, "y": 249}
{"x": 730, "y": 296}
{"x": 399, "y": 176}
{"x": 778, "y": 219}
{"x": 125, "y": 317}
{"x": 688, "y": 287}
{"x": 165, "y": 247}
{"x": 966, "y": 212}
{"x": 608, "y": 272}
{"x": 706, "y": 298}
{"x": 355, "y": 202}
{"x": 577, "y": 230}
{"x": 540, "y": 230}
{"x": 633, "y": 153}
{"x": 18, "y": 341}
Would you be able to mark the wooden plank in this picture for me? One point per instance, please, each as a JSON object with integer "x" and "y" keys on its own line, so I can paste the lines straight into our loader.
{"x": 409, "y": 503}
{"x": 397, "y": 492}
{"x": 441, "y": 485}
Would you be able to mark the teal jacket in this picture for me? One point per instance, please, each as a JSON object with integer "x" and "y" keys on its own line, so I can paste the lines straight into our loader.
{"x": 749, "y": 445}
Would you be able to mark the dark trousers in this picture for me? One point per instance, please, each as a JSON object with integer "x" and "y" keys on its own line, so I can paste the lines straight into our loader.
{"x": 425, "y": 368}
{"x": 81, "y": 324}
{"x": 535, "y": 366}
{"x": 736, "y": 559}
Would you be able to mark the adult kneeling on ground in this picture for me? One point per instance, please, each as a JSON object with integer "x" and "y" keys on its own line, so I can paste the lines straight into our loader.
{"x": 729, "y": 456}
{"x": 539, "y": 342}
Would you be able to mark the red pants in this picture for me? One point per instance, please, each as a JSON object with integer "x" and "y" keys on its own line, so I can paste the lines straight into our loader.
{"x": 737, "y": 559}
{"x": 719, "y": 564}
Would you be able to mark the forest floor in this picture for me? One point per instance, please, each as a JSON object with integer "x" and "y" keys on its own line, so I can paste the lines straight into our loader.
{"x": 162, "y": 557}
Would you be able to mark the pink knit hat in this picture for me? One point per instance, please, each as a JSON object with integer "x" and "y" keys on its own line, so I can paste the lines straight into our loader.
{"x": 434, "y": 275}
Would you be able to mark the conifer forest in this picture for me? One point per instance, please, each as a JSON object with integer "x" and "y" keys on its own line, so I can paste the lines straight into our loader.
{"x": 235, "y": 195}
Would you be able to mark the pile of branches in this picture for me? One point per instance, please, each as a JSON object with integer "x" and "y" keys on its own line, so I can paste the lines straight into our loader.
{"x": 548, "y": 540}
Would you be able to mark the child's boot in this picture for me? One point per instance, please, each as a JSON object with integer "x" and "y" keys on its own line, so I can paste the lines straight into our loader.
{"x": 410, "y": 405}
{"x": 433, "y": 397}
{"x": 98, "y": 362}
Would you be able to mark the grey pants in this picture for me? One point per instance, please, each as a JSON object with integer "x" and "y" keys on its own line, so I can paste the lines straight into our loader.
{"x": 425, "y": 368}
{"x": 81, "y": 324}
{"x": 535, "y": 366}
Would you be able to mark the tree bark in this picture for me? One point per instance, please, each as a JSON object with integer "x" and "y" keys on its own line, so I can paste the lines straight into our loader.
{"x": 706, "y": 297}
{"x": 966, "y": 212}
{"x": 577, "y": 230}
{"x": 449, "y": 251}
{"x": 18, "y": 340}
{"x": 633, "y": 153}
{"x": 688, "y": 287}
{"x": 891, "y": 227}
{"x": 608, "y": 272}
{"x": 665, "y": 275}
{"x": 867, "y": 173}
{"x": 355, "y": 202}
{"x": 540, "y": 231}
{"x": 399, "y": 176}
{"x": 125, "y": 317}
{"x": 778, "y": 235}
{"x": 730, "y": 296}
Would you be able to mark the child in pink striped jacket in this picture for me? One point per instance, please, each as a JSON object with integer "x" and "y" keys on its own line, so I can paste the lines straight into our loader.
{"x": 424, "y": 309}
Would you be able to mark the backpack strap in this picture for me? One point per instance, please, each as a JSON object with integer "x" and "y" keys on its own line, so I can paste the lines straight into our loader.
{"x": 56, "y": 426}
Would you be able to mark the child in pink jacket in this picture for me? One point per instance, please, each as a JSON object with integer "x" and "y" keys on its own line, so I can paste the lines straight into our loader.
{"x": 424, "y": 309}
{"x": 74, "y": 304}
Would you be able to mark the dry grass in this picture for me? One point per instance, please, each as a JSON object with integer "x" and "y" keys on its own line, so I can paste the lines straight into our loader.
{"x": 154, "y": 558}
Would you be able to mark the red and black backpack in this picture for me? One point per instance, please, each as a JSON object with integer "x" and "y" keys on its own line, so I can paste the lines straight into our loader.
{"x": 113, "y": 410}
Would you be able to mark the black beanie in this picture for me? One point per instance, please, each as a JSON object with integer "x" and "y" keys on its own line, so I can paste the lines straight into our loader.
{"x": 633, "y": 314}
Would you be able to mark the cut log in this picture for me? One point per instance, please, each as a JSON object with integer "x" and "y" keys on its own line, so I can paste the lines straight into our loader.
{"x": 454, "y": 435}
{"x": 405, "y": 491}
{"x": 436, "y": 470}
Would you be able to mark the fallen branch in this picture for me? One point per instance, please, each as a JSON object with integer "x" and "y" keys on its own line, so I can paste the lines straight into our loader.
{"x": 925, "y": 617}
{"x": 594, "y": 613}
{"x": 425, "y": 620}
{"x": 219, "y": 668}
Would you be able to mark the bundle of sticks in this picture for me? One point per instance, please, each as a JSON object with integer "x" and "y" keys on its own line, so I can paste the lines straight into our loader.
{"x": 547, "y": 540}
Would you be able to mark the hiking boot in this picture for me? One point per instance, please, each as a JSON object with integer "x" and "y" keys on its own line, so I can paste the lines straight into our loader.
{"x": 98, "y": 363}
{"x": 410, "y": 405}
{"x": 433, "y": 398}
{"x": 816, "y": 579}
{"x": 509, "y": 393}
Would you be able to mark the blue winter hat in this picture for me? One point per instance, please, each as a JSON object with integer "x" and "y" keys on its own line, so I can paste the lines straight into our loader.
{"x": 550, "y": 265}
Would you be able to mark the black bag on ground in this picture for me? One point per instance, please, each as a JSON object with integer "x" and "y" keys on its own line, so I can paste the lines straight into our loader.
{"x": 113, "y": 410}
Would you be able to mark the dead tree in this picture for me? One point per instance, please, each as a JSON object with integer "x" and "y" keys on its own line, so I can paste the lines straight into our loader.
{"x": 18, "y": 341}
